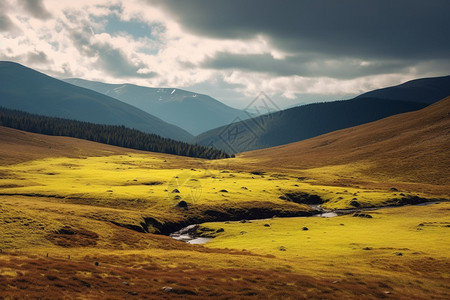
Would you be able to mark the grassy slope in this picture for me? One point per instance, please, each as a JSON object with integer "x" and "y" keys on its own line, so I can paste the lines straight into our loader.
{"x": 138, "y": 183}
{"x": 401, "y": 249}
{"x": 59, "y": 196}
{"x": 20, "y": 146}
{"x": 410, "y": 147}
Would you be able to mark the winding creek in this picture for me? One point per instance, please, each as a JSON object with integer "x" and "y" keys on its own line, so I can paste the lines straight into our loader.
{"x": 189, "y": 233}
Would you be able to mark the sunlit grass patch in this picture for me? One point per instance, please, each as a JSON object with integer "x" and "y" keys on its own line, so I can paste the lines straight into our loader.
{"x": 412, "y": 230}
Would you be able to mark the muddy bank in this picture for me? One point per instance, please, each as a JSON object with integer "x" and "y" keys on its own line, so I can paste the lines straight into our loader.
{"x": 151, "y": 224}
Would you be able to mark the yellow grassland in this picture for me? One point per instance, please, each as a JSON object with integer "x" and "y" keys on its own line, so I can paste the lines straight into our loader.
{"x": 62, "y": 201}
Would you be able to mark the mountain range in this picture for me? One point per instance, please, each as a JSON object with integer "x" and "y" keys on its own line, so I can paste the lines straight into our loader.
{"x": 160, "y": 110}
{"x": 307, "y": 121}
{"x": 27, "y": 90}
{"x": 196, "y": 113}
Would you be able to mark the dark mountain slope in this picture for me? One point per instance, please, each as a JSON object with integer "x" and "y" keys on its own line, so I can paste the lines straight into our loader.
{"x": 301, "y": 123}
{"x": 27, "y": 90}
{"x": 424, "y": 90}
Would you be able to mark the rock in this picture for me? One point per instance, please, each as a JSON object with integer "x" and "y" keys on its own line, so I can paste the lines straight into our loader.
{"x": 177, "y": 197}
{"x": 223, "y": 191}
{"x": 96, "y": 263}
{"x": 243, "y": 232}
{"x": 355, "y": 203}
{"x": 175, "y": 191}
{"x": 393, "y": 189}
{"x": 302, "y": 198}
{"x": 244, "y": 221}
{"x": 125, "y": 283}
{"x": 220, "y": 230}
{"x": 257, "y": 173}
{"x": 132, "y": 293}
{"x": 305, "y": 228}
{"x": 182, "y": 204}
{"x": 398, "y": 253}
{"x": 169, "y": 289}
{"x": 266, "y": 225}
{"x": 282, "y": 248}
{"x": 361, "y": 215}
{"x": 367, "y": 248}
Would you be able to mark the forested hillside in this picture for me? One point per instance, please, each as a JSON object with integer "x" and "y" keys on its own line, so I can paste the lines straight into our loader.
{"x": 107, "y": 134}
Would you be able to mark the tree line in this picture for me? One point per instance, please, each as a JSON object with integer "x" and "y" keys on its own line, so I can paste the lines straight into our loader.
{"x": 107, "y": 134}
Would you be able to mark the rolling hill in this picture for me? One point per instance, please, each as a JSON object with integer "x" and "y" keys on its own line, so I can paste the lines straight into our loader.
{"x": 300, "y": 123}
{"x": 18, "y": 146}
{"x": 411, "y": 147}
{"x": 28, "y": 90}
{"x": 424, "y": 90}
{"x": 303, "y": 122}
{"x": 195, "y": 113}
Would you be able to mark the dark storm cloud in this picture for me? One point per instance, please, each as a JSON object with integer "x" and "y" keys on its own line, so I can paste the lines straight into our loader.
{"x": 302, "y": 65}
{"x": 369, "y": 29}
{"x": 36, "y": 8}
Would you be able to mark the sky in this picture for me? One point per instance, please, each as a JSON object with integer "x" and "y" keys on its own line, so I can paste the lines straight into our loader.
{"x": 294, "y": 51}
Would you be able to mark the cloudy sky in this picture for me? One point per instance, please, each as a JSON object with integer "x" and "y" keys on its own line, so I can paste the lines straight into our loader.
{"x": 295, "y": 51}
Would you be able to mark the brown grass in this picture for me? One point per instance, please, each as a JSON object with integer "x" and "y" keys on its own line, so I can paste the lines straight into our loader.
{"x": 35, "y": 277}
{"x": 18, "y": 146}
{"x": 412, "y": 147}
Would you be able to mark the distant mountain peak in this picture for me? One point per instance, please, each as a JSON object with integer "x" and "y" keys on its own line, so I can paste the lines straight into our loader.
{"x": 191, "y": 111}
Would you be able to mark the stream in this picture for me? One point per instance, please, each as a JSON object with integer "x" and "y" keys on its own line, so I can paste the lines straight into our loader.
{"x": 189, "y": 233}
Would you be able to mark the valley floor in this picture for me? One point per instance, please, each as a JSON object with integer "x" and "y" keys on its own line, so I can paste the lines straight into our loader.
{"x": 81, "y": 226}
